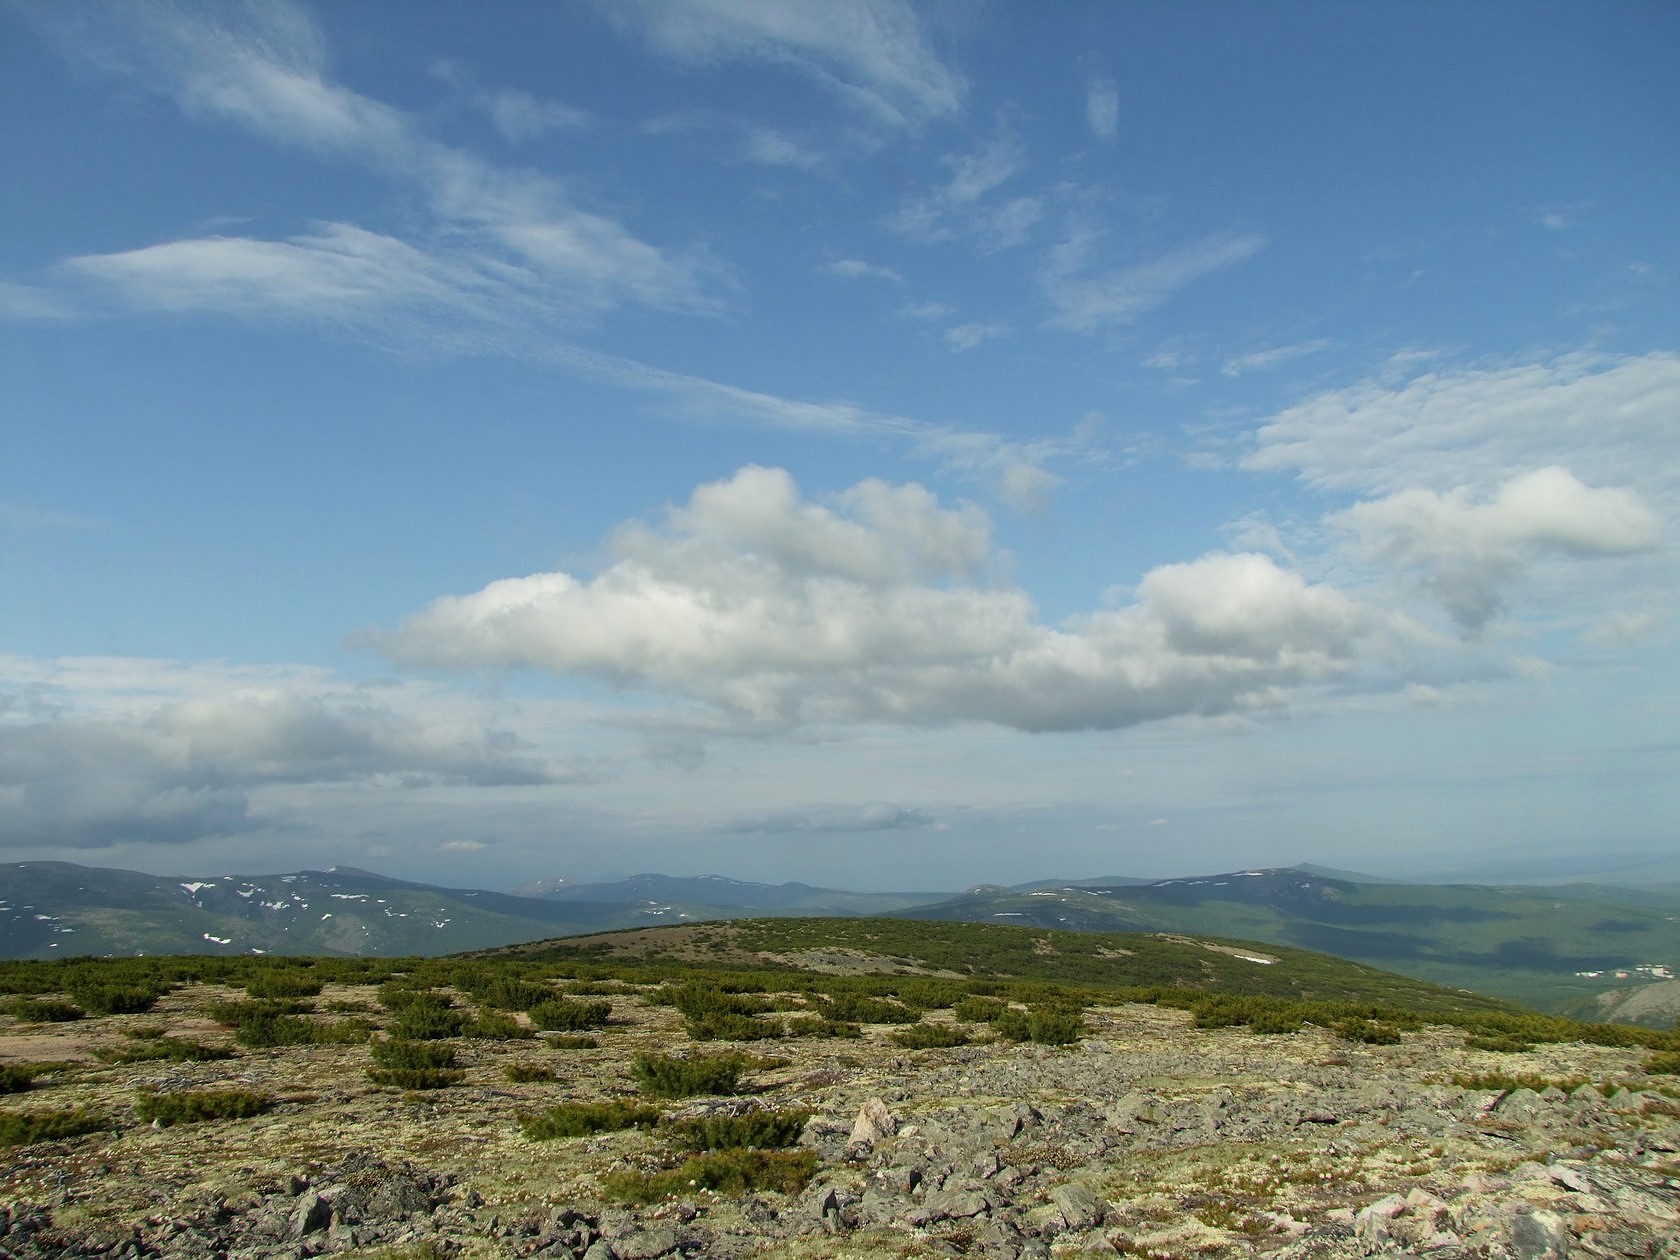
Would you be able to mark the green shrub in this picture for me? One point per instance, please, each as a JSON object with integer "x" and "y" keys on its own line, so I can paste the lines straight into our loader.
{"x": 817, "y": 1026}
{"x": 1507, "y": 1081}
{"x": 44, "y": 1010}
{"x": 294, "y": 1030}
{"x": 497, "y": 1026}
{"x": 414, "y": 1064}
{"x": 1665, "y": 1064}
{"x": 1044, "y": 1025}
{"x": 191, "y": 1105}
{"x": 1369, "y": 1031}
{"x": 291, "y": 982}
{"x": 15, "y": 1078}
{"x": 116, "y": 999}
{"x": 727, "y": 1026}
{"x": 162, "y": 1050}
{"x": 763, "y": 1130}
{"x": 570, "y": 1014}
{"x": 237, "y": 1010}
{"x": 569, "y": 1120}
{"x": 732, "y": 1172}
{"x": 399, "y": 1053}
{"x": 21, "y": 1128}
{"x": 527, "y": 1073}
{"x": 928, "y": 1036}
{"x": 979, "y": 1010}
{"x": 1497, "y": 1044}
{"x": 661, "y": 1076}
{"x": 425, "y": 1021}
{"x": 859, "y": 1009}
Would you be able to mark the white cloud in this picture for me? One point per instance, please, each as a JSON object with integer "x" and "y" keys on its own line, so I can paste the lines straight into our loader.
{"x": 520, "y": 116}
{"x": 868, "y": 609}
{"x": 771, "y": 148}
{"x": 875, "y": 816}
{"x": 857, "y": 269}
{"x": 1086, "y": 298}
{"x": 1102, "y": 110}
{"x": 101, "y": 751}
{"x": 1465, "y": 551}
{"x": 964, "y": 203}
{"x": 871, "y": 52}
{"x": 968, "y": 336}
{"x": 1610, "y": 419}
{"x": 930, "y": 311}
{"x": 263, "y": 67}
{"x": 1265, "y": 360}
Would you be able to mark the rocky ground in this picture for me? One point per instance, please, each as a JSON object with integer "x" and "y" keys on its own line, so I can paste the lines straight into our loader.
{"x": 1147, "y": 1138}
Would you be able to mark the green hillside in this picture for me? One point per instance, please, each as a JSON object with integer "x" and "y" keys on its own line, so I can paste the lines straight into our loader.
{"x": 1553, "y": 948}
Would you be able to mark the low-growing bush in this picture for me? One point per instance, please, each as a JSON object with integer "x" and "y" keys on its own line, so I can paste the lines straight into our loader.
{"x": 15, "y": 1078}
{"x": 294, "y": 1030}
{"x": 44, "y": 1010}
{"x": 979, "y": 1010}
{"x": 1665, "y": 1064}
{"x": 858, "y": 1008}
{"x": 527, "y": 1073}
{"x": 236, "y": 1011}
{"x": 728, "y": 1026}
{"x": 1369, "y": 1031}
{"x": 425, "y": 1021}
{"x": 1043, "y": 1025}
{"x": 763, "y": 1130}
{"x": 414, "y": 1064}
{"x": 21, "y": 1128}
{"x": 731, "y": 1172}
{"x": 189, "y": 1106}
{"x": 116, "y": 999}
{"x": 1497, "y": 1044}
{"x": 497, "y": 1026}
{"x": 569, "y": 1120}
{"x": 568, "y": 1042}
{"x": 928, "y": 1036}
{"x": 289, "y": 982}
{"x": 162, "y": 1050}
{"x": 818, "y": 1026}
{"x": 570, "y": 1014}
{"x": 662, "y": 1076}
{"x": 1508, "y": 1081}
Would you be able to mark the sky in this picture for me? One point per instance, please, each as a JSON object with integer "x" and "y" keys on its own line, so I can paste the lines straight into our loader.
{"x": 884, "y": 445}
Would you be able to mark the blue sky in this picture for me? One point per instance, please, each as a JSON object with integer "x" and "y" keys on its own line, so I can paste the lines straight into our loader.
{"x": 878, "y": 444}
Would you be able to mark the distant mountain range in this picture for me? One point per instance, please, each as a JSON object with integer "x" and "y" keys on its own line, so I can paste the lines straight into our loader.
{"x": 1583, "y": 949}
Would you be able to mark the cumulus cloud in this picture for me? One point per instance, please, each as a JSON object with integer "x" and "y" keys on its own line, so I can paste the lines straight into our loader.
{"x": 875, "y": 816}
{"x": 873, "y": 53}
{"x": 100, "y": 752}
{"x": 883, "y": 606}
{"x": 1466, "y": 551}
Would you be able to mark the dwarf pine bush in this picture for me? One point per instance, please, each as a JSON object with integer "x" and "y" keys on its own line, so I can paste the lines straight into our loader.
{"x": 569, "y": 1120}
{"x": 191, "y": 1105}
{"x": 662, "y": 1076}
{"x": 43, "y": 1010}
{"x": 563, "y": 1014}
{"x": 928, "y": 1036}
{"x": 21, "y": 1128}
{"x": 763, "y": 1130}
